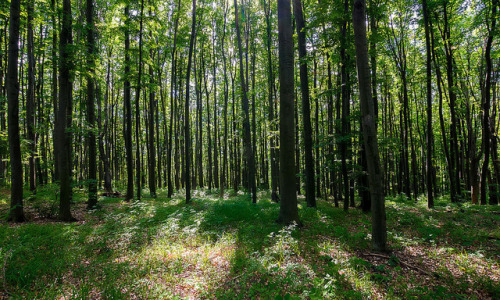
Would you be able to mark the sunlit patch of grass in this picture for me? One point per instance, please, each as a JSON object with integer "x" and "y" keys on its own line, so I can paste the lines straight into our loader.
{"x": 226, "y": 247}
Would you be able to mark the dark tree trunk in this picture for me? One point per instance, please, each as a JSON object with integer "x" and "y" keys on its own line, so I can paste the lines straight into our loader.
{"x": 16, "y": 186}
{"x": 92, "y": 154}
{"x": 430, "y": 138}
{"x": 138, "y": 147}
{"x": 65, "y": 112}
{"x": 486, "y": 105}
{"x": 30, "y": 99}
{"x": 187, "y": 135}
{"x": 345, "y": 143}
{"x": 224, "y": 182}
{"x": 152, "y": 150}
{"x": 128, "y": 111}
{"x": 172, "y": 86}
{"x": 288, "y": 205}
{"x": 247, "y": 140}
{"x": 273, "y": 153}
{"x": 54, "y": 11}
{"x": 379, "y": 232}
{"x": 454, "y": 155}
{"x": 306, "y": 110}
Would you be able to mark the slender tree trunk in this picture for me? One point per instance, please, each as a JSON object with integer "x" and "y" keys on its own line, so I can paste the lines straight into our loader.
{"x": 344, "y": 144}
{"x": 65, "y": 112}
{"x": 486, "y": 105}
{"x": 92, "y": 154}
{"x": 128, "y": 111}
{"x": 246, "y": 120}
{"x": 454, "y": 155}
{"x": 224, "y": 182}
{"x": 306, "y": 110}
{"x": 30, "y": 99}
{"x": 172, "y": 85}
{"x": 379, "y": 231}
{"x": 138, "y": 155}
{"x": 273, "y": 155}
{"x": 16, "y": 186}
{"x": 288, "y": 205}
{"x": 430, "y": 138}
{"x": 54, "y": 10}
{"x": 187, "y": 135}
{"x": 152, "y": 151}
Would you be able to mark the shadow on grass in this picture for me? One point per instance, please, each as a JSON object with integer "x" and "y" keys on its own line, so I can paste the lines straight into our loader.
{"x": 228, "y": 249}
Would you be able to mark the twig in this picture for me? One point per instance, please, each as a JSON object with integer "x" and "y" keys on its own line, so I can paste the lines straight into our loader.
{"x": 236, "y": 277}
{"x": 400, "y": 262}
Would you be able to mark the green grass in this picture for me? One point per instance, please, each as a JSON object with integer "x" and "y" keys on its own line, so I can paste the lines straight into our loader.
{"x": 229, "y": 248}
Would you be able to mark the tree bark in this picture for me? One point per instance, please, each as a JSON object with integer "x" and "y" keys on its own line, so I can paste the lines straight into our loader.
{"x": 16, "y": 186}
{"x": 128, "y": 111}
{"x": 288, "y": 205}
{"x": 65, "y": 114}
{"x": 247, "y": 140}
{"x": 306, "y": 110}
{"x": 486, "y": 105}
{"x": 430, "y": 138}
{"x": 379, "y": 231}
{"x": 187, "y": 135}
{"x": 30, "y": 99}
{"x": 92, "y": 153}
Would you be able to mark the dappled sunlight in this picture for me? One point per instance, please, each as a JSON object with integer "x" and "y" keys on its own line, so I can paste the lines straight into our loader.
{"x": 222, "y": 248}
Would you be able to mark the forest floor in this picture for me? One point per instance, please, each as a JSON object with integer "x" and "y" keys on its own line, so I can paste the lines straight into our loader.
{"x": 228, "y": 248}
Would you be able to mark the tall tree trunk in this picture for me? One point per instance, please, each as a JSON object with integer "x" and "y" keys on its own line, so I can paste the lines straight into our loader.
{"x": 454, "y": 155}
{"x": 430, "y": 138}
{"x": 65, "y": 112}
{"x": 379, "y": 231}
{"x": 247, "y": 140}
{"x": 224, "y": 182}
{"x": 30, "y": 99}
{"x": 128, "y": 111}
{"x": 273, "y": 155}
{"x": 288, "y": 205}
{"x": 92, "y": 154}
{"x": 345, "y": 143}
{"x": 138, "y": 152}
{"x": 486, "y": 104}
{"x": 306, "y": 110}
{"x": 187, "y": 135}
{"x": 16, "y": 185}
{"x": 172, "y": 86}
{"x": 152, "y": 151}
{"x": 54, "y": 91}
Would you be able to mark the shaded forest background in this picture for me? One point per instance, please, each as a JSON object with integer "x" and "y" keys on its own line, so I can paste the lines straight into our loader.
{"x": 160, "y": 94}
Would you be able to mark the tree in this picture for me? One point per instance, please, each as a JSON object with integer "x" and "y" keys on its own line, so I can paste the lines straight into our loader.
{"x": 128, "y": 110}
{"x": 16, "y": 187}
{"x": 65, "y": 114}
{"x": 247, "y": 140}
{"x": 92, "y": 178}
{"x": 486, "y": 103}
{"x": 187, "y": 129}
{"x": 288, "y": 204}
{"x": 428, "y": 61}
{"x": 30, "y": 99}
{"x": 379, "y": 231}
{"x": 306, "y": 110}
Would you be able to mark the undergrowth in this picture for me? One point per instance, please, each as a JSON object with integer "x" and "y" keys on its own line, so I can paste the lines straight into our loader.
{"x": 227, "y": 248}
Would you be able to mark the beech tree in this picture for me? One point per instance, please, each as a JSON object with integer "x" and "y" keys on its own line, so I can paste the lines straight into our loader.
{"x": 288, "y": 204}
{"x": 16, "y": 185}
{"x": 379, "y": 231}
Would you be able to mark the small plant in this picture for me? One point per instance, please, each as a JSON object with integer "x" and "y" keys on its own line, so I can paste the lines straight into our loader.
{"x": 46, "y": 201}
